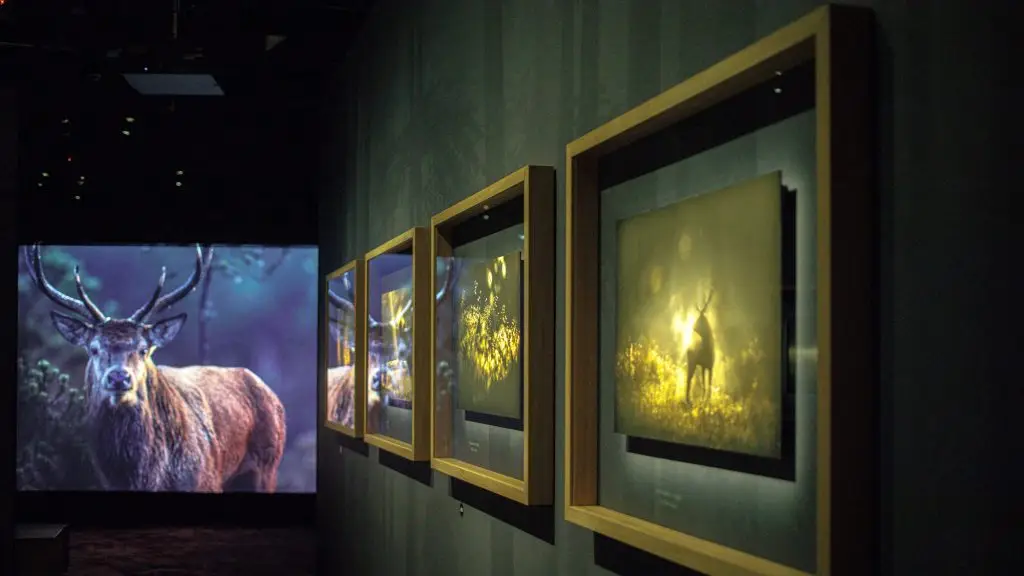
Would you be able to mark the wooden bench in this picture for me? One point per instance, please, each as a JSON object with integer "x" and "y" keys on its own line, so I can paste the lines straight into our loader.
{"x": 41, "y": 549}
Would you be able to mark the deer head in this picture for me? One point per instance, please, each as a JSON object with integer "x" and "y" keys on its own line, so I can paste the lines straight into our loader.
{"x": 119, "y": 348}
{"x": 701, "y": 326}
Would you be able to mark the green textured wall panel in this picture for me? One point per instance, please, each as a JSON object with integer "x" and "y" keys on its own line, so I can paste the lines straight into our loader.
{"x": 442, "y": 97}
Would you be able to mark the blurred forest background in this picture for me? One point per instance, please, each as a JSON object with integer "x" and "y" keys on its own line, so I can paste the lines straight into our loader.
{"x": 257, "y": 308}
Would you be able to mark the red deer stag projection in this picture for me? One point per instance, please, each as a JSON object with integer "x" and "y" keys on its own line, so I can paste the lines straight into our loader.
{"x": 340, "y": 379}
{"x": 701, "y": 352}
{"x": 162, "y": 428}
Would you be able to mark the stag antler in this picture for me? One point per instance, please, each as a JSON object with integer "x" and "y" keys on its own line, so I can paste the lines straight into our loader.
{"x": 158, "y": 304}
{"x": 84, "y": 306}
{"x": 704, "y": 308}
{"x": 339, "y": 302}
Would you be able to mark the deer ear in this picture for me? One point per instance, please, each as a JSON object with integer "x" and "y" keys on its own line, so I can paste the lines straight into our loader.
{"x": 72, "y": 329}
{"x": 164, "y": 331}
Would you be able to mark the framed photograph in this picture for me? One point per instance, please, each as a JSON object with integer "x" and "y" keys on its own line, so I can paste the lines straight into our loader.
{"x": 720, "y": 362}
{"x": 397, "y": 304}
{"x": 699, "y": 341}
{"x": 492, "y": 322}
{"x": 344, "y": 350}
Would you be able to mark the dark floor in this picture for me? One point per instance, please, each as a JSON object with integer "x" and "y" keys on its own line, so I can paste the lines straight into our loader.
{"x": 202, "y": 551}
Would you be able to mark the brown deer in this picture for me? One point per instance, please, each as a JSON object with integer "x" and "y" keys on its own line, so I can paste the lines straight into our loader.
{"x": 340, "y": 383}
{"x": 161, "y": 428}
{"x": 701, "y": 352}
{"x": 340, "y": 379}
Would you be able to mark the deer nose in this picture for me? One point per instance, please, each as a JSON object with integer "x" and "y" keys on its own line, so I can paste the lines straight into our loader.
{"x": 119, "y": 380}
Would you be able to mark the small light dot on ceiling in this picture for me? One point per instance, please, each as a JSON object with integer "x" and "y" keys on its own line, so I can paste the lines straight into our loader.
{"x": 65, "y": 121}
{"x": 126, "y": 132}
{"x": 180, "y": 172}
{"x": 77, "y": 197}
{"x": 778, "y": 72}
{"x": 487, "y": 216}
{"x": 177, "y": 184}
{"x": 129, "y": 119}
{"x": 39, "y": 184}
{"x": 46, "y": 174}
{"x": 778, "y": 90}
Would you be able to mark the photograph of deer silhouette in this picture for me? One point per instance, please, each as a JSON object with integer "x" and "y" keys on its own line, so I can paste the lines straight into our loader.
{"x": 150, "y": 427}
{"x": 698, "y": 335}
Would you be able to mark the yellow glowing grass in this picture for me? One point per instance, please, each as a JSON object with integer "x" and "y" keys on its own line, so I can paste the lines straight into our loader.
{"x": 490, "y": 336}
{"x": 656, "y": 397}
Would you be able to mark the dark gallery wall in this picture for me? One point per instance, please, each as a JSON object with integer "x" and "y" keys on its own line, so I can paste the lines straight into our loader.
{"x": 443, "y": 97}
{"x": 8, "y": 217}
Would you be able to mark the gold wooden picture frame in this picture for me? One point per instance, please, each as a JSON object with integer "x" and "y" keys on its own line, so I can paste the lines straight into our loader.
{"x": 358, "y": 371}
{"x": 536, "y": 186}
{"x": 414, "y": 240}
{"x": 837, "y": 42}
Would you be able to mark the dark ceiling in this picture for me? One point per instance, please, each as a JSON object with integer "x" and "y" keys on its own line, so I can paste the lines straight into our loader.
{"x": 91, "y": 145}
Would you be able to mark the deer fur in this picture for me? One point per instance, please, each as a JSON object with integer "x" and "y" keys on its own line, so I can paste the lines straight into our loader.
{"x": 341, "y": 395}
{"x": 202, "y": 429}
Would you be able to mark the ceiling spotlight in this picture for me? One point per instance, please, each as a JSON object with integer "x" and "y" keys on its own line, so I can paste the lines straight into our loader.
{"x": 177, "y": 184}
{"x": 129, "y": 119}
{"x": 65, "y": 121}
{"x": 46, "y": 174}
{"x": 126, "y": 133}
{"x": 77, "y": 197}
{"x": 778, "y": 90}
{"x": 39, "y": 184}
{"x": 180, "y": 172}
